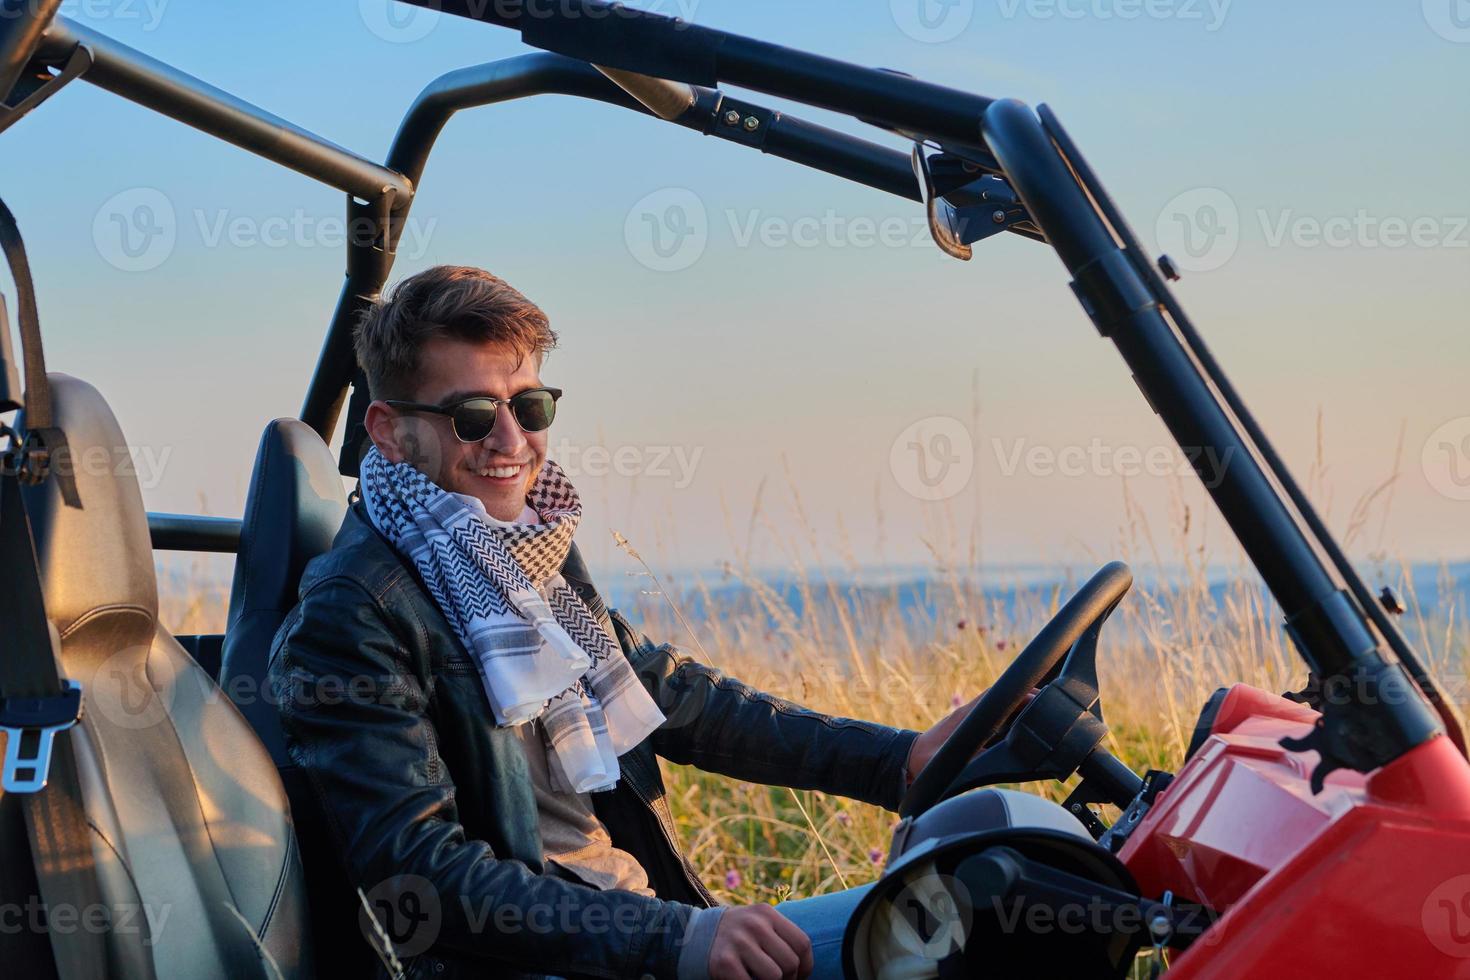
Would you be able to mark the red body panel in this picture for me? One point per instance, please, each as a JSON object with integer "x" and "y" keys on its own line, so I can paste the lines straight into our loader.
{"x": 1369, "y": 878}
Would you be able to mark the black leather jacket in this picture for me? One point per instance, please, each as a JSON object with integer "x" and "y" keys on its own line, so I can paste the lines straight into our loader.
{"x": 430, "y": 803}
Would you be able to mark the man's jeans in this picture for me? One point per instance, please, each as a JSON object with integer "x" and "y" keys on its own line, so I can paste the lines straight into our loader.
{"x": 824, "y": 918}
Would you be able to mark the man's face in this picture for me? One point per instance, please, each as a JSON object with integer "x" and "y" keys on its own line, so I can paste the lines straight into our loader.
{"x": 498, "y": 469}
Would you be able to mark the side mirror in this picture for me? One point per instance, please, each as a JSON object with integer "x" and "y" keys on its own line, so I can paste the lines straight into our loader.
{"x": 962, "y": 205}
{"x": 944, "y": 225}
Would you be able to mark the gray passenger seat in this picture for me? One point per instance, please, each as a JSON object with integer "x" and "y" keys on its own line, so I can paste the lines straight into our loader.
{"x": 190, "y": 822}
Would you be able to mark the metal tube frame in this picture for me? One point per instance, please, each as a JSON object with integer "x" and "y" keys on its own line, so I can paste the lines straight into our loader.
{"x": 538, "y": 74}
{"x": 192, "y": 532}
{"x": 135, "y": 76}
{"x": 1382, "y": 717}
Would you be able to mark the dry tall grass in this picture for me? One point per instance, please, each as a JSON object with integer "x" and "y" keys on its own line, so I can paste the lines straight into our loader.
{"x": 850, "y": 650}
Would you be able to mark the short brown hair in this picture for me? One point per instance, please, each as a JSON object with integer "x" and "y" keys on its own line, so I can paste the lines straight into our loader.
{"x": 457, "y": 301}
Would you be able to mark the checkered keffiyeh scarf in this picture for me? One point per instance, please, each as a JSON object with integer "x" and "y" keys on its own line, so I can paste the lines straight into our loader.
{"x": 541, "y": 652}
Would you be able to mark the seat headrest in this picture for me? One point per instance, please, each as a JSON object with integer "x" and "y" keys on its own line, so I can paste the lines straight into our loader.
{"x": 292, "y": 512}
{"x": 97, "y": 557}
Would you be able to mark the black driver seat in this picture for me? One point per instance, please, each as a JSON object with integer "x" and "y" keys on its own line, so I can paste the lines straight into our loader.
{"x": 189, "y": 820}
{"x": 293, "y": 510}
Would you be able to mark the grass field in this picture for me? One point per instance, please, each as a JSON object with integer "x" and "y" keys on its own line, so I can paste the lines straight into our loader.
{"x": 852, "y": 651}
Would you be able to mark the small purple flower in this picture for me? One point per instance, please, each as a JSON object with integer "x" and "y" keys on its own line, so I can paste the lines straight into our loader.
{"x": 955, "y": 700}
{"x": 875, "y": 855}
{"x": 732, "y": 879}
{"x": 843, "y": 818}
{"x": 961, "y": 624}
{"x": 1000, "y": 644}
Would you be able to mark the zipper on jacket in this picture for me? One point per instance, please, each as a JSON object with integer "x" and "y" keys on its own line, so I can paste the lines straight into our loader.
{"x": 674, "y": 848}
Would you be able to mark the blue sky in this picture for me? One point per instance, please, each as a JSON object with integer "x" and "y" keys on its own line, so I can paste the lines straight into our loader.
{"x": 1313, "y": 153}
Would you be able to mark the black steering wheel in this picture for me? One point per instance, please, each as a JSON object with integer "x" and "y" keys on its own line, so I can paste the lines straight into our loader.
{"x": 1039, "y": 663}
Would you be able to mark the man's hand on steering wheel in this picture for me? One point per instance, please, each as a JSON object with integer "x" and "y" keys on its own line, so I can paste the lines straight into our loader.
{"x": 930, "y": 742}
{"x": 948, "y": 759}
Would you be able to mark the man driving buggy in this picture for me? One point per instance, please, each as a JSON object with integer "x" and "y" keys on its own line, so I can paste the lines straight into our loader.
{"x": 476, "y": 724}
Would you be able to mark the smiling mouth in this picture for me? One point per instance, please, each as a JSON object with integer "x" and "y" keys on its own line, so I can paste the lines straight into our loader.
{"x": 503, "y": 472}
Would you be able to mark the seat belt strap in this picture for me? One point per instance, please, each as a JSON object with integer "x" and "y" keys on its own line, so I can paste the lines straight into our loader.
{"x": 38, "y": 387}
{"x": 38, "y": 710}
{"x": 34, "y": 707}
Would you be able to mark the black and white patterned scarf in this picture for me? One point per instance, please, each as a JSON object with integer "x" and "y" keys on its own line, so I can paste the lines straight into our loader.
{"x": 542, "y": 653}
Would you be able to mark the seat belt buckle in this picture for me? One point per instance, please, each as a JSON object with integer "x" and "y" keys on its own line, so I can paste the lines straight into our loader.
{"x": 26, "y": 772}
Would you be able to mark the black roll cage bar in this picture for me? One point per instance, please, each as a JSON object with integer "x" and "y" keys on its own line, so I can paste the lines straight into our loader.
{"x": 586, "y": 44}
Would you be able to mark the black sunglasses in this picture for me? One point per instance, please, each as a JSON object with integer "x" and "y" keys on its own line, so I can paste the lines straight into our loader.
{"x": 472, "y": 419}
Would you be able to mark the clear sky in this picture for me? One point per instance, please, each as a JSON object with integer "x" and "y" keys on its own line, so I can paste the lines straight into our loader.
{"x": 1307, "y": 160}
